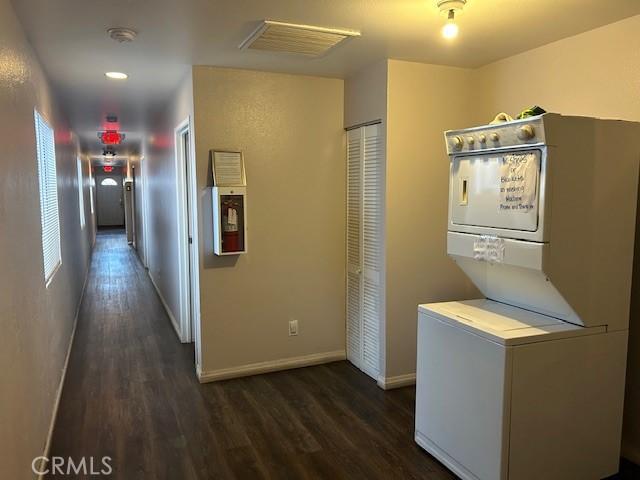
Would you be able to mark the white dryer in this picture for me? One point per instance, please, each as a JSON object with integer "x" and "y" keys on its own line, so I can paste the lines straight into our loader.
{"x": 528, "y": 383}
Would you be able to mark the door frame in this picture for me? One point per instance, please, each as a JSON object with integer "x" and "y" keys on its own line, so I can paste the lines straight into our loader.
{"x": 189, "y": 284}
{"x": 144, "y": 172}
{"x": 133, "y": 206}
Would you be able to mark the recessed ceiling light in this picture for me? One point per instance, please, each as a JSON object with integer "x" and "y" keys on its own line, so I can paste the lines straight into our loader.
{"x": 117, "y": 75}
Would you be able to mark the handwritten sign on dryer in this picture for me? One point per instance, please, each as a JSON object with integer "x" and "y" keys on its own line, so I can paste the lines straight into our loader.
{"x": 518, "y": 182}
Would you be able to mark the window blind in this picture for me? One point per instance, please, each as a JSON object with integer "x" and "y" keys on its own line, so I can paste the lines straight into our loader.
{"x": 48, "y": 183}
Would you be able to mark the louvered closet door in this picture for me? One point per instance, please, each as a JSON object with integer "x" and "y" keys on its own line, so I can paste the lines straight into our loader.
{"x": 364, "y": 247}
{"x": 354, "y": 246}
{"x": 372, "y": 186}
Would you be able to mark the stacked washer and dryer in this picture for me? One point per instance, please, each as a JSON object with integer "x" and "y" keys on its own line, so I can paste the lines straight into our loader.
{"x": 528, "y": 383}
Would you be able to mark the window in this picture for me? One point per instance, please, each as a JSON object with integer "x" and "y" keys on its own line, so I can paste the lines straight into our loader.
{"x": 48, "y": 182}
{"x": 109, "y": 182}
{"x": 80, "y": 193}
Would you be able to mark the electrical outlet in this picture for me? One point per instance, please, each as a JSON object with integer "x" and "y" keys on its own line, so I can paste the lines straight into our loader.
{"x": 293, "y": 327}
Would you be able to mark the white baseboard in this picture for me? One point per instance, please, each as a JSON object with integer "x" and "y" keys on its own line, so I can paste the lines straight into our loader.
{"x": 631, "y": 452}
{"x": 56, "y": 405}
{"x": 166, "y": 307}
{"x": 271, "y": 366}
{"x": 388, "y": 383}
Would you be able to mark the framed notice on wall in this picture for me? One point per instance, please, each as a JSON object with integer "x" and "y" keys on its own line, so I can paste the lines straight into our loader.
{"x": 227, "y": 168}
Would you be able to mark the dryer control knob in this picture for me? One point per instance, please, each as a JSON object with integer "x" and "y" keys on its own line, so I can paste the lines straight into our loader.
{"x": 526, "y": 132}
{"x": 494, "y": 137}
{"x": 457, "y": 142}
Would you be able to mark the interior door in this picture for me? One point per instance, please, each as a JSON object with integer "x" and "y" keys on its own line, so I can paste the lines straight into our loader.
{"x": 134, "y": 201}
{"x": 110, "y": 200}
{"x": 191, "y": 253}
{"x": 372, "y": 253}
{"x": 354, "y": 246}
{"x": 365, "y": 182}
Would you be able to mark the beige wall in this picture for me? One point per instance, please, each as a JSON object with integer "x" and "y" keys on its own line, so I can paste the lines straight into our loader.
{"x": 365, "y": 95}
{"x": 36, "y": 322}
{"x": 159, "y": 168}
{"x": 596, "y": 73}
{"x": 290, "y": 130}
{"x": 424, "y": 101}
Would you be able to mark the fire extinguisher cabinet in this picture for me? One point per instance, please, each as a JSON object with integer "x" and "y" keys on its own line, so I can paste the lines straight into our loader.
{"x": 229, "y": 220}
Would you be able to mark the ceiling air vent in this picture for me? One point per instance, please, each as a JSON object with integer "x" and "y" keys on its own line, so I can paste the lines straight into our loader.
{"x": 303, "y": 39}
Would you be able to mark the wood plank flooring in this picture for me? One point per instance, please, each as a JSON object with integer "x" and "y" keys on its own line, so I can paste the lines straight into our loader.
{"x": 131, "y": 394}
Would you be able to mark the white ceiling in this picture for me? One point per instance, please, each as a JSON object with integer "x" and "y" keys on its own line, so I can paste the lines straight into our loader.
{"x": 71, "y": 41}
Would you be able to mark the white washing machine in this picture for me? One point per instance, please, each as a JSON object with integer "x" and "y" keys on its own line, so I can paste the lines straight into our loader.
{"x": 528, "y": 383}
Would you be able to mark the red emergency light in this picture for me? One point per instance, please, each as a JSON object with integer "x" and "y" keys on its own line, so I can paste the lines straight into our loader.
{"x": 111, "y": 137}
{"x": 107, "y": 169}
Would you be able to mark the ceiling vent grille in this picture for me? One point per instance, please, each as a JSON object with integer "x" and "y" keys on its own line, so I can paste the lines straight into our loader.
{"x": 290, "y": 38}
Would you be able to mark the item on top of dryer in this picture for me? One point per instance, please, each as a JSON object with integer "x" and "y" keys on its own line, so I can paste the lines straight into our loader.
{"x": 531, "y": 112}
{"x": 501, "y": 118}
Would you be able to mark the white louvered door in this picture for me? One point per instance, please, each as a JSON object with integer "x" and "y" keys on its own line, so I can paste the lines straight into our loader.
{"x": 354, "y": 243}
{"x": 365, "y": 187}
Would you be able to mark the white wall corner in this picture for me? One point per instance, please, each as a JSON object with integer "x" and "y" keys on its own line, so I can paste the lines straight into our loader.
{"x": 389, "y": 383}
{"x": 271, "y": 366}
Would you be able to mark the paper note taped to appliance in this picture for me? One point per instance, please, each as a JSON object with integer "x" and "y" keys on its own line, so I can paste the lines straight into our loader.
{"x": 518, "y": 183}
{"x": 489, "y": 248}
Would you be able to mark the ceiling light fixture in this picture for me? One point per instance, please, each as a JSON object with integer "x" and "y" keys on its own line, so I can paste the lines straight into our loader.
{"x": 450, "y": 29}
{"x": 108, "y": 151}
{"x": 117, "y": 75}
{"x": 450, "y": 8}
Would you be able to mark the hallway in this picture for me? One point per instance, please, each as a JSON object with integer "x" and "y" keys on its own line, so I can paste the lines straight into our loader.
{"x": 125, "y": 370}
{"x": 131, "y": 394}
{"x": 320, "y": 239}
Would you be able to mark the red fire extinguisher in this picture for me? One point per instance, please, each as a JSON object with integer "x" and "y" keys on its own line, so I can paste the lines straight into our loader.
{"x": 230, "y": 233}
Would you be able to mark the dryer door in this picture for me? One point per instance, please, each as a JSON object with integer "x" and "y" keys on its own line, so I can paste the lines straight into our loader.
{"x": 497, "y": 190}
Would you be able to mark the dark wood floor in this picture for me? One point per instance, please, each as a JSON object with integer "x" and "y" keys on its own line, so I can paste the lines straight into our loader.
{"x": 131, "y": 394}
